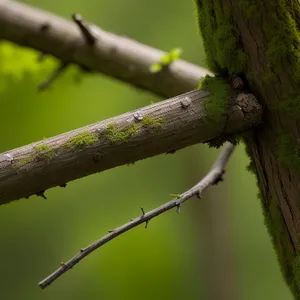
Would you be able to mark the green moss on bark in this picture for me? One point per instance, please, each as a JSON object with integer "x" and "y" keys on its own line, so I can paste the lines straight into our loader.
{"x": 288, "y": 151}
{"x": 281, "y": 43}
{"x": 81, "y": 141}
{"x": 283, "y": 53}
{"x": 44, "y": 151}
{"x": 116, "y": 135}
{"x": 217, "y": 103}
{"x": 22, "y": 162}
{"x": 296, "y": 273}
{"x": 223, "y": 50}
{"x": 149, "y": 122}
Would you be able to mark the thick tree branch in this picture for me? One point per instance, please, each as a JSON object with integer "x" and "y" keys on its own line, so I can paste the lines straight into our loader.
{"x": 213, "y": 177}
{"x": 109, "y": 54}
{"x": 160, "y": 128}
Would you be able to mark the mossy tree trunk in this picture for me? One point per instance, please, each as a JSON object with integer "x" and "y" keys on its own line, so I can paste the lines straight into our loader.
{"x": 260, "y": 40}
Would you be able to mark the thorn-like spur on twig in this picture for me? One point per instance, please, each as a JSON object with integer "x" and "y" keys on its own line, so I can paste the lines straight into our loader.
{"x": 84, "y": 27}
{"x": 219, "y": 179}
{"x": 41, "y": 194}
{"x": 146, "y": 224}
{"x": 45, "y": 84}
{"x": 143, "y": 211}
{"x": 215, "y": 172}
{"x": 212, "y": 177}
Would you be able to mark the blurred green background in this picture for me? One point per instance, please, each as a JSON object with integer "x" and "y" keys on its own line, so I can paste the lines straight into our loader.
{"x": 217, "y": 248}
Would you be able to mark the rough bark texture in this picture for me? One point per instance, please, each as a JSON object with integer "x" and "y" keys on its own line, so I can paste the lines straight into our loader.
{"x": 260, "y": 40}
{"x": 163, "y": 127}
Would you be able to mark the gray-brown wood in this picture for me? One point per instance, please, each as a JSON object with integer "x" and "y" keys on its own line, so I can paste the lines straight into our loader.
{"x": 113, "y": 55}
{"x": 160, "y": 128}
{"x": 265, "y": 41}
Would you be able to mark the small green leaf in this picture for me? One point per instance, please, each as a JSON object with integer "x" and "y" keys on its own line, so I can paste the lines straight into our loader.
{"x": 166, "y": 59}
{"x": 156, "y": 67}
{"x": 175, "y": 53}
{"x": 175, "y": 195}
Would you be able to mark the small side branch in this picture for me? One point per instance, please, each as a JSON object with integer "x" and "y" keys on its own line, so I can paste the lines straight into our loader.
{"x": 115, "y": 56}
{"x": 213, "y": 177}
{"x": 47, "y": 82}
{"x": 84, "y": 27}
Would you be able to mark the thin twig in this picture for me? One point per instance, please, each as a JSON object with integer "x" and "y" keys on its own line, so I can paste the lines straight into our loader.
{"x": 45, "y": 84}
{"x": 84, "y": 27}
{"x": 213, "y": 177}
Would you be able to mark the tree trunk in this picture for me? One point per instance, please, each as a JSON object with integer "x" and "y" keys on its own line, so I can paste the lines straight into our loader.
{"x": 260, "y": 41}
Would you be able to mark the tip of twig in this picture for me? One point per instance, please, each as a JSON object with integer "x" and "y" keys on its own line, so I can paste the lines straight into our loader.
{"x": 41, "y": 194}
{"x": 47, "y": 82}
{"x": 178, "y": 207}
{"x": 84, "y": 27}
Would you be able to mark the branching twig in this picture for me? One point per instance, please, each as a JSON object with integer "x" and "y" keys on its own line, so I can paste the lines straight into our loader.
{"x": 45, "y": 84}
{"x": 116, "y": 56}
{"x": 213, "y": 177}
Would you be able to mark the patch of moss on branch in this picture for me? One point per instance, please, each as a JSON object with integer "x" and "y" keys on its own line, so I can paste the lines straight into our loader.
{"x": 116, "y": 135}
{"x": 149, "y": 122}
{"x": 44, "y": 151}
{"x": 81, "y": 140}
{"x": 22, "y": 162}
{"x": 217, "y": 103}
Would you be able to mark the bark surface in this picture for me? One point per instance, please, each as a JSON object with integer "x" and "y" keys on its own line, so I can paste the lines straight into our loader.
{"x": 260, "y": 40}
{"x": 159, "y": 128}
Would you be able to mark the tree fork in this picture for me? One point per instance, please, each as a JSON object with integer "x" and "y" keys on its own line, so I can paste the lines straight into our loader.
{"x": 260, "y": 41}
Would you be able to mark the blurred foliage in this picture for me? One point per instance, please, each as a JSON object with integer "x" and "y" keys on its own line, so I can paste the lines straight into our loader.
{"x": 163, "y": 262}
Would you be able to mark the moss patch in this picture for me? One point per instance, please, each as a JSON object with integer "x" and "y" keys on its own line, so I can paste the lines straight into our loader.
{"x": 225, "y": 56}
{"x": 296, "y": 273}
{"x": 283, "y": 53}
{"x": 22, "y": 162}
{"x": 275, "y": 224}
{"x": 217, "y": 104}
{"x": 44, "y": 151}
{"x": 149, "y": 122}
{"x": 224, "y": 53}
{"x": 81, "y": 140}
{"x": 115, "y": 135}
{"x": 288, "y": 151}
